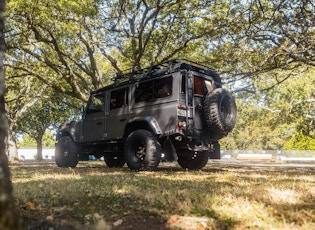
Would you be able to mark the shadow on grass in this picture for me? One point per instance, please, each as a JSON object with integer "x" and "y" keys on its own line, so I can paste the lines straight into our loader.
{"x": 132, "y": 200}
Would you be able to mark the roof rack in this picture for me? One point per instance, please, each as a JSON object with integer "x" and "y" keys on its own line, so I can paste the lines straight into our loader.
{"x": 158, "y": 69}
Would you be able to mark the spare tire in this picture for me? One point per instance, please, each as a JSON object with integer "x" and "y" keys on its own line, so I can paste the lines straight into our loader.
{"x": 220, "y": 111}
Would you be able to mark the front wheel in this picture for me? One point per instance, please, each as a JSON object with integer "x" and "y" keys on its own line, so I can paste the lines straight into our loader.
{"x": 66, "y": 153}
{"x": 142, "y": 150}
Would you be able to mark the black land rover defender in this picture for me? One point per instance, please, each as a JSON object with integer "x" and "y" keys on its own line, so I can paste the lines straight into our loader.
{"x": 176, "y": 110}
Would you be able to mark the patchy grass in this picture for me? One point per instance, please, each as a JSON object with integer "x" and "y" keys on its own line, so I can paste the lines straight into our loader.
{"x": 221, "y": 196}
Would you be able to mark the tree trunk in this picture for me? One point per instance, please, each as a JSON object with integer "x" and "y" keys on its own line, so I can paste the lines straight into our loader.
{"x": 39, "y": 155}
{"x": 11, "y": 146}
{"x": 9, "y": 218}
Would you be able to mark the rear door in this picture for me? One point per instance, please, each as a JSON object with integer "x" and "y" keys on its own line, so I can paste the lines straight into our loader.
{"x": 195, "y": 87}
{"x": 201, "y": 87}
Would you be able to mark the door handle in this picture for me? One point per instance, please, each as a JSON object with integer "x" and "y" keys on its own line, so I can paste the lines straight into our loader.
{"x": 122, "y": 119}
{"x": 99, "y": 123}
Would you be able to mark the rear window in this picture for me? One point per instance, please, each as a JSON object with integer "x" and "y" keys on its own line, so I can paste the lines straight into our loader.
{"x": 201, "y": 86}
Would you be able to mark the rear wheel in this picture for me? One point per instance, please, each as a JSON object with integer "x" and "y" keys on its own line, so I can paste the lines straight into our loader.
{"x": 66, "y": 153}
{"x": 194, "y": 160}
{"x": 115, "y": 160}
{"x": 142, "y": 150}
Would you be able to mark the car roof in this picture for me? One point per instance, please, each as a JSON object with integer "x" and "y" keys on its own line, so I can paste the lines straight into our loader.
{"x": 158, "y": 70}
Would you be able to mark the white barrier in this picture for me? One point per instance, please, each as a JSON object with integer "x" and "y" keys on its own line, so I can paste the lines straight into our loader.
{"x": 268, "y": 155}
{"x": 305, "y": 156}
{"x": 30, "y": 153}
{"x": 253, "y": 156}
{"x": 297, "y": 159}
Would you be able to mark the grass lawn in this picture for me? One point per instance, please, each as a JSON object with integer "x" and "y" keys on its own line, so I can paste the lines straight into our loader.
{"x": 221, "y": 196}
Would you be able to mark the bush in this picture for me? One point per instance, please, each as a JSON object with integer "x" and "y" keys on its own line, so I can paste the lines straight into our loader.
{"x": 300, "y": 142}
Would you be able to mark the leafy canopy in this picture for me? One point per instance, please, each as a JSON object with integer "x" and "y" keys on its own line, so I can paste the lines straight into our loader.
{"x": 68, "y": 48}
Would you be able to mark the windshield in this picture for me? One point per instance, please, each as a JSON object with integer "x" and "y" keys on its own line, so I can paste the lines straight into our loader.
{"x": 96, "y": 104}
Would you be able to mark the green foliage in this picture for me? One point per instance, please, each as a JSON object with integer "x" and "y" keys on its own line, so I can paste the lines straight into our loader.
{"x": 63, "y": 49}
{"x": 45, "y": 113}
{"x": 27, "y": 141}
{"x": 48, "y": 140}
{"x": 300, "y": 142}
{"x": 270, "y": 118}
{"x": 70, "y": 41}
{"x": 50, "y": 41}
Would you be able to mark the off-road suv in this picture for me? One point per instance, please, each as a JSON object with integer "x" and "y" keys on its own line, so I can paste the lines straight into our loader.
{"x": 176, "y": 110}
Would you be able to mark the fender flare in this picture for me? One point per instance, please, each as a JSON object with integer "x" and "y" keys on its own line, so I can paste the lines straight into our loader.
{"x": 68, "y": 130}
{"x": 143, "y": 122}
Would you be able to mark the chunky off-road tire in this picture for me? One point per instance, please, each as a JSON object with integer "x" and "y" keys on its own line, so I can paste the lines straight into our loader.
{"x": 220, "y": 111}
{"x": 193, "y": 160}
{"x": 142, "y": 150}
{"x": 66, "y": 153}
{"x": 115, "y": 160}
{"x": 215, "y": 151}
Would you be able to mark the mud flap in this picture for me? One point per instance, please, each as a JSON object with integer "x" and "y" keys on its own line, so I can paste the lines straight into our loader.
{"x": 169, "y": 150}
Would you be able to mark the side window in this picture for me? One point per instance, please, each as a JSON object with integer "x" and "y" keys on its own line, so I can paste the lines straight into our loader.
{"x": 183, "y": 90}
{"x": 144, "y": 92}
{"x": 96, "y": 104}
{"x": 118, "y": 98}
{"x": 154, "y": 89}
{"x": 163, "y": 87}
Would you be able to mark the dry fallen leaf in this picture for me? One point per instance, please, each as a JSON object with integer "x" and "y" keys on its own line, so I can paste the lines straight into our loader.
{"x": 49, "y": 218}
{"x": 118, "y": 222}
{"x": 31, "y": 205}
{"x": 173, "y": 219}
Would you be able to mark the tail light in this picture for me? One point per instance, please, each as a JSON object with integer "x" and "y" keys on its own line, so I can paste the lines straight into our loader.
{"x": 180, "y": 106}
{"x": 181, "y": 125}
